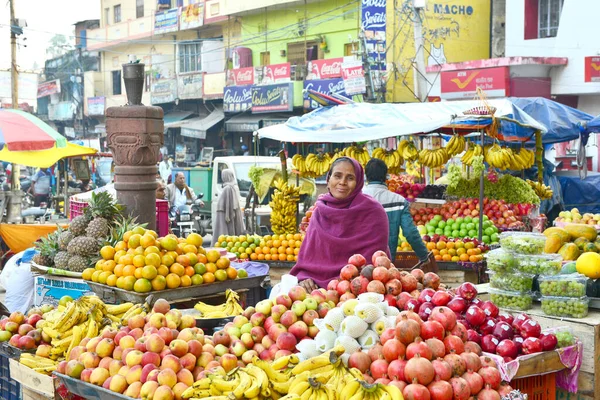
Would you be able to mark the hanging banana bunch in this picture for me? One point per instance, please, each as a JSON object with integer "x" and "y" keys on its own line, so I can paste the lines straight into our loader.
{"x": 284, "y": 204}
{"x": 456, "y": 145}
{"x": 542, "y": 191}
{"x": 392, "y": 159}
{"x": 317, "y": 165}
{"x": 299, "y": 164}
{"x": 521, "y": 160}
{"x": 408, "y": 151}
{"x": 413, "y": 169}
{"x": 433, "y": 158}
{"x": 360, "y": 154}
{"x": 474, "y": 150}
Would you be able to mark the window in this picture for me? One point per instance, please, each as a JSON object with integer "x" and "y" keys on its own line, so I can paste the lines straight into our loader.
{"x": 549, "y": 17}
{"x": 298, "y": 54}
{"x": 139, "y": 8}
{"x": 116, "y": 81}
{"x": 349, "y": 49}
{"x": 189, "y": 57}
{"x": 117, "y": 13}
{"x": 265, "y": 58}
{"x": 106, "y": 16}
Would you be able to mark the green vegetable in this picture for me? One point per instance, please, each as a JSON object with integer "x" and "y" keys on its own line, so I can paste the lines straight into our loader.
{"x": 513, "y": 190}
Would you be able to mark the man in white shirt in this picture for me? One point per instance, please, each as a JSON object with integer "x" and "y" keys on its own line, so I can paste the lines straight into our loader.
{"x": 164, "y": 168}
{"x": 179, "y": 194}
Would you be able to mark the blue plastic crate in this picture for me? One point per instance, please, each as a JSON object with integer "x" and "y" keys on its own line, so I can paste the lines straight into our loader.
{"x": 9, "y": 388}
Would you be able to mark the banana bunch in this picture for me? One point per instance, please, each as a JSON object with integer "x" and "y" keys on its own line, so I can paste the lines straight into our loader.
{"x": 542, "y": 191}
{"x": 317, "y": 164}
{"x": 283, "y": 205}
{"x": 433, "y": 158}
{"x": 131, "y": 310}
{"x": 474, "y": 150}
{"x": 456, "y": 145}
{"x": 299, "y": 164}
{"x": 230, "y": 308}
{"x": 249, "y": 382}
{"x": 499, "y": 157}
{"x": 358, "y": 389}
{"x": 408, "y": 151}
{"x": 39, "y": 364}
{"x": 360, "y": 154}
{"x": 413, "y": 169}
{"x": 524, "y": 159}
{"x": 392, "y": 158}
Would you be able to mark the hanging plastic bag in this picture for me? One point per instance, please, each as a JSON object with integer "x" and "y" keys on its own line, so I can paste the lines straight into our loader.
{"x": 287, "y": 282}
{"x": 9, "y": 268}
{"x": 20, "y": 285}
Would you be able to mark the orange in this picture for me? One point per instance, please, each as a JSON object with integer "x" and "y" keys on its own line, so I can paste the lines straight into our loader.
{"x": 296, "y": 251}
{"x": 107, "y": 252}
{"x": 460, "y": 251}
{"x": 281, "y": 250}
{"x": 109, "y": 265}
{"x": 167, "y": 260}
{"x": 261, "y": 257}
{"x": 152, "y": 249}
{"x": 282, "y": 257}
{"x": 202, "y": 251}
{"x": 112, "y": 280}
{"x": 450, "y": 245}
{"x": 222, "y": 263}
{"x": 221, "y": 275}
{"x": 189, "y": 271}
{"x": 473, "y": 258}
{"x": 441, "y": 245}
{"x": 128, "y": 270}
{"x": 258, "y": 250}
{"x": 213, "y": 256}
{"x": 438, "y": 257}
{"x": 128, "y": 282}
{"x": 95, "y": 275}
{"x": 126, "y": 259}
{"x": 276, "y": 243}
{"x": 430, "y": 245}
{"x": 202, "y": 258}
{"x": 197, "y": 280}
{"x": 173, "y": 281}
{"x": 452, "y": 252}
{"x": 464, "y": 257}
{"x": 455, "y": 259}
{"x": 163, "y": 270}
{"x": 134, "y": 241}
{"x": 231, "y": 273}
{"x": 471, "y": 252}
{"x": 269, "y": 243}
{"x": 103, "y": 277}
{"x": 138, "y": 273}
{"x": 193, "y": 258}
{"x": 127, "y": 235}
{"x": 469, "y": 245}
{"x": 195, "y": 239}
{"x": 151, "y": 232}
{"x": 297, "y": 236}
{"x": 177, "y": 269}
{"x": 120, "y": 282}
{"x": 147, "y": 241}
{"x": 436, "y": 252}
{"x": 290, "y": 257}
{"x": 186, "y": 281}
{"x": 446, "y": 257}
{"x": 273, "y": 251}
{"x": 208, "y": 277}
{"x": 443, "y": 252}
{"x": 268, "y": 257}
{"x": 142, "y": 286}
{"x": 298, "y": 244}
{"x": 87, "y": 274}
{"x": 119, "y": 254}
{"x": 254, "y": 256}
{"x": 149, "y": 272}
{"x": 200, "y": 268}
{"x": 138, "y": 251}
{"x": 153, "y": 259}
{"x": 169, "y": 243}
{"x": 211, "y": 267}
{"x": 183, "y": 260}
{"x": 159, "y": 283}
{"x": 284, "y": 243}
{"x": 266, "y": 250}
{"x": 189, "y": 248}
{"x": 120, "y": 246}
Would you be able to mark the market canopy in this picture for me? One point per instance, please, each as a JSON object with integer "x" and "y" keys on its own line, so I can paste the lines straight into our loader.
{"x": 593, "y": 125}
{"x": 365, "y": 121}
{"x": 22, "y": 131}
{"x": 44, "y": 158}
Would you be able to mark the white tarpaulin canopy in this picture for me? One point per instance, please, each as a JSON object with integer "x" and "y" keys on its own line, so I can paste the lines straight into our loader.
{"x": 361, "y": 122}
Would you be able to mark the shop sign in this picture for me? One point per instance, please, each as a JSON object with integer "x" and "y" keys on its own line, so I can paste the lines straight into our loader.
{"x": 166, "y": 21}
{"x": 268, "y": 98}
{"x": 240, "y": 76}
{"x": 237, "y": 99}
{"x": 463, "y": 84}
{"x": 193, "y": 133}
{"x": 270, "y": 74}
{"x": 189, "y": 86}
{"x": 48, "y": 88}
{"x": 592, "y": 69}
{"x": 163, "y": 91}
{"x": 213, "y": 86}
{"x": 325, "y": 86}
{"x": 62, "y": 111}
{"x": 192, "y": 16}
{"x": 373, "y": 21}
{"x": 96, "y": 105}
{"x": 324, "y": 69}
{"x": 354, "y": 78}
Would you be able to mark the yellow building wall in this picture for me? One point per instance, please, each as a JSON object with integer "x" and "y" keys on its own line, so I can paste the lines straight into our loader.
{"x": 453, "y": 31}
{"x": 127, "y": 10}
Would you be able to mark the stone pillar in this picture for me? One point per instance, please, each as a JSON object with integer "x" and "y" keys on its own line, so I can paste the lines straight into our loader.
{"x": 135, "y": 136}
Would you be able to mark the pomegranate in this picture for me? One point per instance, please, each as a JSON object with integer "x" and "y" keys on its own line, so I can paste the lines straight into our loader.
{"x": 444, "y": 316}
{"x": 402, "y": 299}
{"x": 440, "y": 390}
{"x": 412, "y": 305}
{"x": 489, "y": 343}
{"x": 378, "y": 253}
{"x": 399, "y": 384}
{"x": 459, "y": 366}
{"x": 396, "y": 370}
{"x": 367, "y": 272}
{"x": 474, "y": 380}
{"x": 437, "y": 347}
{"x": 409, "y": 314}
{"x": 409, "y": 282}
{"x": 460, "y": 331}
{"x": 359, "y": 360}
{"x": 389, "y": 333}
{"x": 504, "y": 389}
{"x": 359, "y": 285}
{"x": 473, "y": 336}
{"x": 416, "y": 391}
{"x": 432, "y": 329}
{"x": 441, "y": 298}
{"x": 381, "y": 274}
{"x": 332, "y": 285}
{"x": 491, "y": 376}
{"x": 376, "y": 352}
{"x": 416, "y": 293}
{"x": 379, "y": 369}
{"x": 473, "y": 348}
{"x": 475, "y": 316}
{"x": 393, "y": 349}
{"x": 383, "y": 381}
{"x": 417, "y": 347}
{"x": 343, "y": 287}
{"x": 488, "y": 394}
{"x": 443, "y": 370}
{"x": 454, "y": 344}
{"x": 390, "y": 299}
{"x": 426, "y": 295}
{"x": 458, "y": 304}
{"x": 460, "y": 388}
{"x": 503, "y": 331}
{"x": 357, "y": 260}
{"x": 490, "y": 309}
{"x": 507, "y": 348}
{"x": 418, "y": 274}
{"x": 382, "y": 261}
{"x": 425, "y": 310}
{"x": 374, "y": 287}
{"x": 346, "y": 296}
{"x": 431, "y": 280}
{"x": 418, "y": 368}
{"x": 467, "y": 291}
{"x": 487, "y": 362}
{"x": 471, "y": 360}
{"x": 349, "y": 272}
{"x": 407, "y": 330}
{"x": 393, "y": 287}
{"x": 394, "y": 273}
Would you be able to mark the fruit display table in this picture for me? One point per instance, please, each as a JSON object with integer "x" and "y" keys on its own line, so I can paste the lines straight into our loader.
{"x": 34, "y": 385}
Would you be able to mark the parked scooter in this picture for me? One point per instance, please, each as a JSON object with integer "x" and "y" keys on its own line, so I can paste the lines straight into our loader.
{"x": 184, "y": 219}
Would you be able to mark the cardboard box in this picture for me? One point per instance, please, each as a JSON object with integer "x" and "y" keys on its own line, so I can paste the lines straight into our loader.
{"x": 50, "y": 288}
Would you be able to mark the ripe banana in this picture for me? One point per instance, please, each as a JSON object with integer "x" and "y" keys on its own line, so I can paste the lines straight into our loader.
{"x": 284, "y": 204}
{"x": 456, "y": 145}
{"x": 542, "y": 191}
{"x": 392, "y": 158}
{"x": 231, "y": 307}
{"x": 408, "y": 150}
{"x": 433, "y": 158}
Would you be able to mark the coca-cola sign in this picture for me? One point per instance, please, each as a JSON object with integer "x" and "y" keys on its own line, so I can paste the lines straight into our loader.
{"x": 325, "y": 86}
{"x": 240, "y": 76}
{"x": 269, "y": 74}
{"x": 324, "y": 69}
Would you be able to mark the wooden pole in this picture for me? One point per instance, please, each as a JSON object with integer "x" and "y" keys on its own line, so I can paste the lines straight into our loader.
{"x": 14, "y": 78}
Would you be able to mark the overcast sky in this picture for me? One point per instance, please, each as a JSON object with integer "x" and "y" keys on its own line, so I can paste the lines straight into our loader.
{"x": 45, "y": 18}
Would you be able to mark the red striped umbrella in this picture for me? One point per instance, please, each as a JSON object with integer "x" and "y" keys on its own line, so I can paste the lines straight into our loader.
{"x": 22, "y": 131}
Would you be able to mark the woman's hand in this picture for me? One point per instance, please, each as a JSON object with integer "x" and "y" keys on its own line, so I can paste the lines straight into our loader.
{"x": 308, "y": 284}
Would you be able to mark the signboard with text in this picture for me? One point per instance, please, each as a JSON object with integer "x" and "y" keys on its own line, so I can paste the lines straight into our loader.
{"x": 48, "y": 88}
{"x": 189, "y": 86}
{"x": 324, "y": 69}
{"x": 96, "y": 105}
{"x": 166, "y": 21}
{"x": 464, "y": 84}
{"x": 213, "y": 85}
{"x": 592, "y": 69}
{"x": 270, "y": 74}
{"x": 373, "y": 22}
{"x": 268, "y": 98}
{"x": 240, "y": 76}
{"x": 192, "y": 16}
{"x": 237, "y": 99}
{"x": 325, "y": 86}
{"x": 354, "y": 78}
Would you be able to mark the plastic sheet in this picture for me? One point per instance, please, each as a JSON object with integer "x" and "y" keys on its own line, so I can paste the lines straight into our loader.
{"x": 582, "y": 194}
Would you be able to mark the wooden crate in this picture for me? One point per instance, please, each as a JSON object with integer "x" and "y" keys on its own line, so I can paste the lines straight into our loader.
{"x": 35, "y": 386}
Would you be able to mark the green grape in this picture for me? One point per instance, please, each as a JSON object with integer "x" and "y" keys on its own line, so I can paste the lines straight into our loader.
{"x": 563, "y": 287}
{"x": 564, "y": 338}
{"x": 255, "y": 173}
{"x": 477, "y": 164}
{"x": 454, "y": 175}
{"x": 500, "y": 260}
{"x": 515, "y": 301}
{"x": 512, "y": 189}
{"x": 565, "y": 307}
{"x": 514, "y": 282}
{"x": 523, "y": 244}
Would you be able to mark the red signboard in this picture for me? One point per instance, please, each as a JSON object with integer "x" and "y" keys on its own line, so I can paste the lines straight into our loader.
{"x": 240, "y": 76}
{"x": 463, "y": 84}
{"x": 276, "y": 73}
{"x": 324, "y": 69}
{"x": 592, "y": 69}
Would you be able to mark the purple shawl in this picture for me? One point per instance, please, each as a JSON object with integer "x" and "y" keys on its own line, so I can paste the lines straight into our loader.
{"x": 338, "y": 229}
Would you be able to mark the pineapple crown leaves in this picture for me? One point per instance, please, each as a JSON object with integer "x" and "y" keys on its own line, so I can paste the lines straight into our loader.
{"x": 123, "y": 224}
{"x": 48, "y": 246}
{"x": 102, "y": 205}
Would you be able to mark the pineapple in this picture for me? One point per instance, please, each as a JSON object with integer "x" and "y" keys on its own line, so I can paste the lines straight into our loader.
{"x": 77, "y": 263}
{"x": 63, "y": 239}
{"x": 78, "y": 225}
{"x": 98, "y": 228}
{"x": 101, "y": 212}
{"x": 61, "y": 259}
{"x": 83, "y": 246}
{"x": 47, "y": 247}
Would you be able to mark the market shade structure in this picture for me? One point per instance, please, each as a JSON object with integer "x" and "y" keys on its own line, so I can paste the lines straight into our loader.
{"x": 22, "y": 131}
{"x": 592, "y": 126}
{"x": 364, "y": 121}
{"x": 44, "y": 158}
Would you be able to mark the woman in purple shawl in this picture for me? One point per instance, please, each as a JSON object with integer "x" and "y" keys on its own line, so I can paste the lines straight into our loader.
{"x": 345, "y": 222}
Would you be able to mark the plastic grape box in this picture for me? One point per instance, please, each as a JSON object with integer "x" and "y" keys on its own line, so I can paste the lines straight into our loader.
{"x": 513, "y": 281}
{"x": 571, "y": 285}
{"x": 542, "y": 264}
{"x": 501, "y": 261}
{"x": 565, "y": 306}
{"x": 520, "y": 301}
{"x": 523, "y": 242}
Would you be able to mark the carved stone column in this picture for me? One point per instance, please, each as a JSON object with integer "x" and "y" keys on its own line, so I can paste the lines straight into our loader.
{"x": 135, "y": 136}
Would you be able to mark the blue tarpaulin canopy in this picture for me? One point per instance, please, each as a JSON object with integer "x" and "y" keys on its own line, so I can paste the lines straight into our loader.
{"x": 364, "y": 121}
{"x": 592, "y": 126}
{"x": 583, "y": 194}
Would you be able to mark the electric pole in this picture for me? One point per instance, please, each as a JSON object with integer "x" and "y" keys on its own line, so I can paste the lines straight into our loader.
{"x": 14, "y": 209}
{"x": 420, "y": 82}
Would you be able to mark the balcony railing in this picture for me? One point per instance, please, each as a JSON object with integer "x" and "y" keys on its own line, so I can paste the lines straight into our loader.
{"x": 111, "y": 35}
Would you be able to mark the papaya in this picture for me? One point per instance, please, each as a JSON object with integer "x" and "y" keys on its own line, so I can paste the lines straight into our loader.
{"x": 564, "y": 236}
{"x": 590, "y": 247}
{"x": 568, "y": 268}
{"x": 553, "y": 243}
{"x": 581, "y": 231}
{"x": 588, "y": 264}
{"x": 569, "y": 251}
{"x": 581, "y": 242}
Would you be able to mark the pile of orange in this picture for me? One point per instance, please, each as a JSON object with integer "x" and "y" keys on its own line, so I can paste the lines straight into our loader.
{"x": 455, "y": 251}
{"x": 263, "y": 248}
{"x": 143, "y": 262}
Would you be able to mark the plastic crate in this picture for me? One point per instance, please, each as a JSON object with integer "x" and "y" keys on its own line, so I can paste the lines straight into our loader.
{"x": 162, "y": 217}
{"x": 76, "y": 208}
{"x": 407, "y": 260}
{"x": 540, "y": 387}
{"x": 9, "y": 388}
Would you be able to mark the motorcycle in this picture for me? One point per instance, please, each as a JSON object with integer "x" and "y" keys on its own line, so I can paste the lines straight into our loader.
{"x": 184, "y": 219}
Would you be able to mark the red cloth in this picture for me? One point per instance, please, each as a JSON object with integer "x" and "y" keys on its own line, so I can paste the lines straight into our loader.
{"x": 338, "y": 229}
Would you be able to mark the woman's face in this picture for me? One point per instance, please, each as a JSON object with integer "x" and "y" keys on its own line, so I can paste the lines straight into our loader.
{"x": 342, "y": 181}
